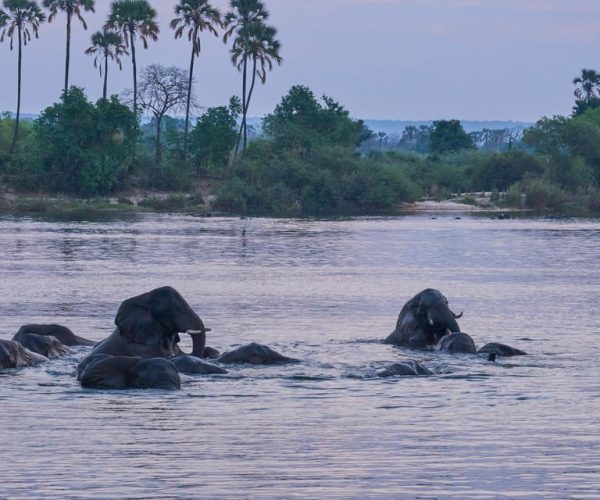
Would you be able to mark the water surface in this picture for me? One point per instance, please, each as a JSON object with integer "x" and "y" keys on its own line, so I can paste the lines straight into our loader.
{"x": 324, "y": 292}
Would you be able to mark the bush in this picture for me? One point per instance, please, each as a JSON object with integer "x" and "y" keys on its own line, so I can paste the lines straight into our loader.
{"x": 514, "y": 196}
{"x": 81, "y": 148}
{"x": 541, "y": 194}
{"x": 505, "y": 169}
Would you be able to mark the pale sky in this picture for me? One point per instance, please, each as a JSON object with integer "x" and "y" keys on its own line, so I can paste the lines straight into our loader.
{"x": 382, "y": 59}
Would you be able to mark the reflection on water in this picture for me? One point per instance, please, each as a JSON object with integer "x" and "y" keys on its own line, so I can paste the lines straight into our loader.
{"x": 322, "y": 291}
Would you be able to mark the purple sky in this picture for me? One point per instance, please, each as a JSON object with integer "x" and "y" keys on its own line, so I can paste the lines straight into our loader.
{"x": 388, "y": 59}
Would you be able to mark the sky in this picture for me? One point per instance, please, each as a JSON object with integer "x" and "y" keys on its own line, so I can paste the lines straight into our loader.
{"x": 382, "y": 59}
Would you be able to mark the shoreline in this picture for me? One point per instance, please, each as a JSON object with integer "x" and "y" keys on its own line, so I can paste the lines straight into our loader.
{"x": 173, "y": 202}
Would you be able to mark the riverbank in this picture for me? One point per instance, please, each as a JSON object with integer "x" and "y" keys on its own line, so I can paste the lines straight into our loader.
{"x": 202, "y": 200}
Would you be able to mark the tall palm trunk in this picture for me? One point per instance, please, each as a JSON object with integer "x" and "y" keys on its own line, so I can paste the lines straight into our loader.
{"x": 189, "y": 97}
{"x": 248, "y": 101}
{"x": 105, "y": 75}
{"x": 68, "y": 57}
{"x": 14, "y": 141}
{"x": 244, "y": 78}
{"x": 134, "y": 70}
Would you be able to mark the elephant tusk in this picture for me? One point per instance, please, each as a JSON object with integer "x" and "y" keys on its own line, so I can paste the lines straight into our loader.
{"x": 430, "y": 322}
{"x": 198, "y": 332}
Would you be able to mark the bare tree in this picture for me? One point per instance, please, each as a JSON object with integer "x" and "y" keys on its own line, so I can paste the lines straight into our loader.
{"x": 162, "y": 90}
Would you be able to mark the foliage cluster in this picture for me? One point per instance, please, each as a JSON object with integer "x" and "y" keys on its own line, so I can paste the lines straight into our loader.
{"x": 307, "y": 165}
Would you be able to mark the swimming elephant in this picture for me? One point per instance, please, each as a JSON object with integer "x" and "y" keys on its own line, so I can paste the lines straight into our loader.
{"x": 255, "y": 354}
{"x": 102, "y": 371}
{"x": 46, "y": 345}
{"x": 455, "y": 343}
{"x": 404, "y": 369}
{"x": 14, "y": 355}
{"x": 423, "y": 321}
{"x": 501, "y": 350}
{"x": 148, "y": 326}
{"x": 62, "y": 333}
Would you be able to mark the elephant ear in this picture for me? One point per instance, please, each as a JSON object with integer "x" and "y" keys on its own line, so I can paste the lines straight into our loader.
{"x": 136, "y": 322}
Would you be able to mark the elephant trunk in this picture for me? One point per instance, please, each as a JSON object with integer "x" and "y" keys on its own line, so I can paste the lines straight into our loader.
{"x": 456, "y": 316}
{"x": 198, "y": 342}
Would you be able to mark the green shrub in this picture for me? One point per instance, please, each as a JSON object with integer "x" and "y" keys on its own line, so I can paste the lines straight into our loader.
{"x": 514, "y": 196}
{"x": 541, "y": 194}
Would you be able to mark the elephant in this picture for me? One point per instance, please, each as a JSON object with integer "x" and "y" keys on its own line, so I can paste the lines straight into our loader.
{"x": 14, "y": 355}
{"x": 46, "y": 345}
{"x": 148, "y": 326}
{"x": 457, "y": 342}
{"x": 255, "y": 354}
{"x": 103, "y": 371}
{"x": 62, "y": 333}
{"x": 500, "y": 350}
{"x": 423, "y": 321}
{"x": 405, "y": 368}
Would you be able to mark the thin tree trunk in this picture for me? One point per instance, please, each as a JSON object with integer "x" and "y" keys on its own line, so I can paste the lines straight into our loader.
{"x": 134, "y": 71}
{"x": 68, "y": 57}
{"x": 104, "y": 89}
{"x": 244, "y": 78}
{"x": 248, "y": 101}
{"x": 14, "y": 142}
{"x": 189, "y": 97}
{"x": 158, "y": 155}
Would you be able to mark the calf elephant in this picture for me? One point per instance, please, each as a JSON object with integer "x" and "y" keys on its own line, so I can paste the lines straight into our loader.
{"x": 423, "y": 321}
{"x": 501, "y": 350}
{"x": 404, "y": 369}
{"x": 102, "y": 371}
{"x": 148, "y": 326}
{"x": 14, "y": 355}
{"x": 255, "y": 354}
{"x": 455, "y": 343}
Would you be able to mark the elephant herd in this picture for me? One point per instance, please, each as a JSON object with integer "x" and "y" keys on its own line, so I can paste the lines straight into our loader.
{"x": 143, "y": 351}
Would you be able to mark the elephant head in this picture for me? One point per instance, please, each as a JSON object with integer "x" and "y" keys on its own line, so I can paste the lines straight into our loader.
{"x": 434, "y": 314}
{"x": 14, "y": 355}
{"x": 157, "y": 317}
{"x": 148, "y": 326}
{"x": 424, "y": 320}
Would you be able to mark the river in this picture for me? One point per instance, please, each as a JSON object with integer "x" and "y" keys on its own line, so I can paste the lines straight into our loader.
{"x": 326, "y": 292}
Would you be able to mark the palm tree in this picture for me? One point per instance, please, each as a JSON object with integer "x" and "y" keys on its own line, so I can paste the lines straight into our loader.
{"x": 242, "y": 13}
{"x": 196, "y": 16}
{"x": 71, "y": 8}
{"x": 106, "y": 45}
{"x": 133, "y": 18}
{"x": 20, "y": 18}
{"x": 255, "y": 43}
{"x": 589, "y": 83}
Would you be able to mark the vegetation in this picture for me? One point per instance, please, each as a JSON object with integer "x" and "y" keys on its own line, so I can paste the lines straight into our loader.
{"x": 106, "y": 45}
{"x": 77, "y": 147}
{"x": 196, "y": 16}
{"x": 307, "y": 157}
{"x": 133, "y": 18}
{"x": 163, "y": 90}
{"x": 70, "y": 8}
{"x": 19, "y": 18}
{"x": 254, "y": 44}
